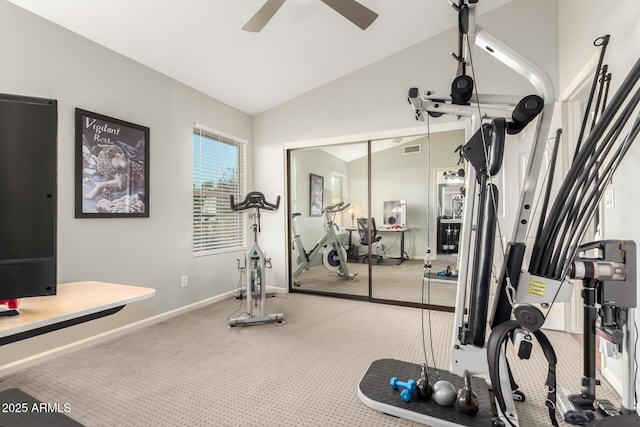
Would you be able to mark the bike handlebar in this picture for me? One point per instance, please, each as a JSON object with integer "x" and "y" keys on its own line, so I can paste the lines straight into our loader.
{"x": 254, "y": 199}
{"x": 336, "y": 208}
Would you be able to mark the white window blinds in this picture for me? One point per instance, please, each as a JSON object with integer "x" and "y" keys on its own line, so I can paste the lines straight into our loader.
{"x": 218, "y": 171}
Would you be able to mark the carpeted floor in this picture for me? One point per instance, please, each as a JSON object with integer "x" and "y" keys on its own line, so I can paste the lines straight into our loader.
{"x": 194, "y": 371}
{"x": 401, "y": 282}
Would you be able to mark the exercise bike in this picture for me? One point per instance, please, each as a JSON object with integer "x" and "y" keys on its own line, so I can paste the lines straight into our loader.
{"x": 255, "y": 263}
{"x": 328, "y": 250}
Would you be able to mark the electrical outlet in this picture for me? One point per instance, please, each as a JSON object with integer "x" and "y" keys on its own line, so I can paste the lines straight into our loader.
{"x": 609, "y": 198}
{"x": 184, "y": 281}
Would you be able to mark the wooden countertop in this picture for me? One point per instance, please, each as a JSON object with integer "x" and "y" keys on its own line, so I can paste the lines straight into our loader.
{"x": 72, "y": 301}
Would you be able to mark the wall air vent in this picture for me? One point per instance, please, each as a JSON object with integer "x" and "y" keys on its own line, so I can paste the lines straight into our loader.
{"x": 412, "y": 149}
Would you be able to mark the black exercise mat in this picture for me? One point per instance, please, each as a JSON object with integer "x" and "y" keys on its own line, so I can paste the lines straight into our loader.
{"x": 434, "y": 276}
{"x": 375, "y": 386}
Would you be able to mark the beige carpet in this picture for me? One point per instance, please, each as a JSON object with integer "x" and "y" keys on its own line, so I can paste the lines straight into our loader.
{"x": 194, "y": 371}
{"x": 391, "y": 282}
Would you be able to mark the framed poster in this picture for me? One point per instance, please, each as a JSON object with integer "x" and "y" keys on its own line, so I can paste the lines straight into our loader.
{"x": 112, "y": 167}
{"x": 316, "y": 193}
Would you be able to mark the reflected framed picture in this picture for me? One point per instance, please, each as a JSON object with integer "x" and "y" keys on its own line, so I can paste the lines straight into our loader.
{"x": 112, "y": 167}
{"x": 316, "y": 194}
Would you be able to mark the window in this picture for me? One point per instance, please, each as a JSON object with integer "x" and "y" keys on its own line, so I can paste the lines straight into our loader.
{"x": 338, "y": 193}
{"x": 338, "y": 186}
{"x": 218, "y": 172}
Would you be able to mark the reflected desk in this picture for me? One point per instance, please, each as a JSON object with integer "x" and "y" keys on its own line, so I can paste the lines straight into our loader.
{"x": 73, "y": 304}
{"x": 385, "y": 229}
{"x": 402, "y": 231}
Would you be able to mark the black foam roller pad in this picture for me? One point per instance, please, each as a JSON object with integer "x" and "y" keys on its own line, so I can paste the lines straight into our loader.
{"x": 526, "y": 110}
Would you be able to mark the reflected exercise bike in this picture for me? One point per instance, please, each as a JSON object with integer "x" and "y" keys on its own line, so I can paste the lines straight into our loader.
{"x": 328, "y": 250}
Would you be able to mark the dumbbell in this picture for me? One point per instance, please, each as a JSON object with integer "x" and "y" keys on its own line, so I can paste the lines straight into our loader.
{"x": 409, "y": 388}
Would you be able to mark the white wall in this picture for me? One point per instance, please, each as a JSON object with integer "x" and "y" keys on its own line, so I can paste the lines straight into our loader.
{"x": 374, "y": 99}
{"x": 321, "y": 163}
{"x": 43, "y": 60}
{"x": 581, "y": 22}
{"x": 396, "y": 176}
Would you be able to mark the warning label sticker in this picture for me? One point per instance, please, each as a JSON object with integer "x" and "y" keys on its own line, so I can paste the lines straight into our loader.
{"x": 536, "y": 288}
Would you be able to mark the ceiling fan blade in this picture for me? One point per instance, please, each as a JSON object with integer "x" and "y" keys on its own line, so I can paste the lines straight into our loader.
{"x": 353, "y": 11}
{"x": 262, "y": 16}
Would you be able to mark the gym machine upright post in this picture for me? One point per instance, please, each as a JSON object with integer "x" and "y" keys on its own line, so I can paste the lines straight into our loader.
{"x": 255, "y": 262}
{"x": 469, "y": 335}
{"x": 508, "y": 114}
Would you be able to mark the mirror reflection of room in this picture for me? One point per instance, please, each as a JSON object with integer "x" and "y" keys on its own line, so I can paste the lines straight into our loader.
{"x": 404, "y": 202}
{"x": 322, "y": 220}
{"x": 450, "y": 184}
{"x": 389, "y": 244}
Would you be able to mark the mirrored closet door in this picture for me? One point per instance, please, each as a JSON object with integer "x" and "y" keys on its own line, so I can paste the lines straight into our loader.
{"x": 327, "y": 193}
{"x": 377, "y": 205}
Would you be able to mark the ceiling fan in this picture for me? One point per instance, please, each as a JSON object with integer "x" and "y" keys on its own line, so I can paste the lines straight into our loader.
{"x": 350, "y": 9}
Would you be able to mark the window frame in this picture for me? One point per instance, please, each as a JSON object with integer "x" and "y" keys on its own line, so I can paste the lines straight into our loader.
{"x": 228, "y": 231}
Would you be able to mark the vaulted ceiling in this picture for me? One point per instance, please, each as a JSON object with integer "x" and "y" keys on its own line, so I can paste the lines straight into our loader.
{"x": 200, "y": 42}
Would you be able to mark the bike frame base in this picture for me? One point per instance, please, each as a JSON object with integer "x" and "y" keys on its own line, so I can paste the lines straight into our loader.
{"x": 250, "y": 320}
{"x": 255, "y": 264}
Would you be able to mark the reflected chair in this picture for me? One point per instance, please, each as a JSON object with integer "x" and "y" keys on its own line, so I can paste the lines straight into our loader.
{"x": 363, "y": 230}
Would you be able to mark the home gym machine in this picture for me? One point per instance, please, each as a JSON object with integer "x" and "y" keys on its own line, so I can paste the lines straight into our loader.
{"x": 255, "y": 263}
{"x": 516, "y": 315}
{"x": 328, "y": 250}
{"x": 490, "y": 118}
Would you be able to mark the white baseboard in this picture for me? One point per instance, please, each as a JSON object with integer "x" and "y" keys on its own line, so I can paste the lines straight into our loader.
{"x": 610, "y": 376}
{"x": 27, "y": 362}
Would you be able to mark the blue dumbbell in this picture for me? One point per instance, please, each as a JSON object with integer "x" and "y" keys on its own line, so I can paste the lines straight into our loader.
{"x": 409, "y": 388}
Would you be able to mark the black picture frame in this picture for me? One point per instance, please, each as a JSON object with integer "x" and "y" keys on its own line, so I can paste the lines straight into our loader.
{"x": 316, "y": 194}
{"x": 112, "y": 167}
